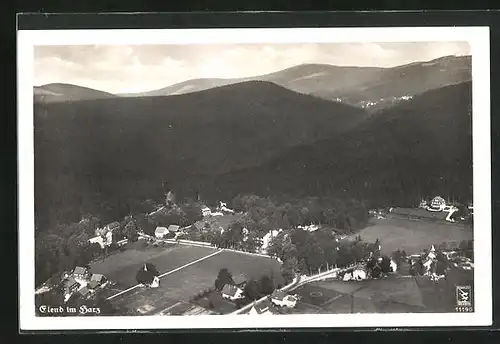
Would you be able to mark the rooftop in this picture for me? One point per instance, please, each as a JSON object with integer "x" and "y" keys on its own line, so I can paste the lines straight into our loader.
{"x": 113, "y": 224}
{"x": 70, "y": 282}
{"x": 97, "y": 277}
{"x": 230, "y": 290}
{"x": 84, "y": 291}
{"x": 80, "y": 270}
{"x": 160, "y": 230}
{"x": 278, "y": 295}
{"x": 173, "y": 228}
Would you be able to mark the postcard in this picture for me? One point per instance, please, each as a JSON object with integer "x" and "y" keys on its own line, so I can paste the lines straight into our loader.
{"x": 254, "y": 178}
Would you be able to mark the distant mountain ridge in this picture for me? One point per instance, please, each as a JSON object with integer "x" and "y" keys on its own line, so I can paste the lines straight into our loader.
{"x": 58, "y": 92}
{"x": 370, "y": 88}
{"x": 367, "y": 87}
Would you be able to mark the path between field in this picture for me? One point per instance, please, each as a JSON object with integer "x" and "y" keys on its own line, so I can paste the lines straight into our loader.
{"x": 167, "y": 273}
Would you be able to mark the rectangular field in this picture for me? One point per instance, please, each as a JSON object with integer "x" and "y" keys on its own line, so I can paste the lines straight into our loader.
{"x": 182, "y": 285}
{"x": 411, "y": 235}
{"x": 122, "y": 267}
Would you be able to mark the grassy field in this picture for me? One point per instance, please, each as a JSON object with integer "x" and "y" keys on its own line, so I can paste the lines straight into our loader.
{"x": 419, "y": 212}
{"x": 411, "y": 235}
{"x": 389, "y": 295}
{"x": 441, "y": 296}
{"x": 394, "y": 294}
{"x": 122, "y": 267}
{"x": 184, "y": 284}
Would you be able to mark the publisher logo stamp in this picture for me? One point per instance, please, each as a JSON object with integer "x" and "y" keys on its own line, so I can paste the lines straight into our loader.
{"x": 463, "y": 296}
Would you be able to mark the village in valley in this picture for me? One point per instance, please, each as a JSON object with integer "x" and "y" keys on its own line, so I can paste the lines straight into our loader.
{"x": 262, "y": 272}
{"x": 331, "y": 181}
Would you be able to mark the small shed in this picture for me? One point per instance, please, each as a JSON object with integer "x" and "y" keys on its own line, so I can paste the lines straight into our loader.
{"x": 173, "y": 228}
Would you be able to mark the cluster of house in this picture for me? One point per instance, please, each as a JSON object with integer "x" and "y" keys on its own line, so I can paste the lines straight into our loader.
{"x": 309, "y": 228}
{"x": 233, "y": 292}
{"x": 360, "y": 271}
{"x": 81, "y": 281}
{"x": 458, "y": 261}
{"x": 221, "y": 210}
{"x": 104, "y": 235}
{"x": 161, "y": 232}
{"x": 274, "y": 304}
{"x": 377, "y": 213}
{"x": 429, "y": 262}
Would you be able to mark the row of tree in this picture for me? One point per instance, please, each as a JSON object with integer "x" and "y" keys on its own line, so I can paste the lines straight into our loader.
{"x": 264, "y": 214}
{"x": 307, "y": 252}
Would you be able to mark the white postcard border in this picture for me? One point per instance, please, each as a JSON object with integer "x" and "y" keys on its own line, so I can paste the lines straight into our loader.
{"x": 477, "y": 37}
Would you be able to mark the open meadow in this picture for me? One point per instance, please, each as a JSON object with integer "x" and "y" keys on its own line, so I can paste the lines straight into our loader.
{"x": 389, "y": 295}
{"x": 182, "y": 285}
{"x": 413, "y": 236}
{"x": 122, "y": 267}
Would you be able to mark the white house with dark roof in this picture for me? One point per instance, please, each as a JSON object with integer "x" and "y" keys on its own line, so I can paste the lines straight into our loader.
{"x": 281, "y": 299}
{"x": 359, "y": 273}
{"x": 155, "y": 283}
{"x": 232, "y": 292}
{"x": 97, "y": 240}
{"x": 96, "y": 280}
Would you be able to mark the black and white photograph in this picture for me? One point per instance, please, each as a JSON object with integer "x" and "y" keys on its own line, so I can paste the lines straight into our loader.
{"x": 329, "y": 177}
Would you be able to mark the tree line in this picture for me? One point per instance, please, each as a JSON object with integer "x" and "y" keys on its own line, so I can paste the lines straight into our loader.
{"x": 264, "y": 214}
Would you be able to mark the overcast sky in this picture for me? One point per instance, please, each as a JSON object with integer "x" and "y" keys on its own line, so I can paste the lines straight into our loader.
{"x": 138, "y": 68}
